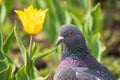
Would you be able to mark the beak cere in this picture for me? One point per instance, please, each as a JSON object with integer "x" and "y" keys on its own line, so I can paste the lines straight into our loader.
{"x": 60, "y": 40}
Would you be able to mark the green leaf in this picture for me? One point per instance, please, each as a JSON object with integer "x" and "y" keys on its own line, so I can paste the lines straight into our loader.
{"x": 67, "y": 17}
{"x": 38, "y": 75}
{"x": 42, "y": 78}
{"x": 5, "y": 74}
{"x": 1, "y": 40}
{"x": 8, "y": 5}
{"x": 97, "y": 18}
{"x": 21, "y": 74}
{"x": 10, "y": 72}
{"x": 98, "y": 47}
{"x": 3, "y": 13}
{"x": 9, "y": 59}
{"x": 51, "y": 36}
{"x": 39, "y": 56}
{"x": 85, "y": 4}
{"x": 88, "y": 23}
{"x": 58, "y": 11}
{"x": 40, "y": 4}
{"x": 21, "y": 46}
{"x": 59, "y": 51}
{"x": 5, "y": 9}
{"x": 6, "y": 70}
{"x": 8, "y": 42}
{"x": 2, "y": 56}
{"x": 34, "y": 49}
{"x": 3, "y": 66}
{"x": 28, "y": 64}
{"x": 96, "y": 11}
{"x": 77, "y": 22}
{"x": 12, "y": 66}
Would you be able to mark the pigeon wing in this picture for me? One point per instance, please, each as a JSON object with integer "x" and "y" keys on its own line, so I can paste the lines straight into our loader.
{"x": 76, "y": 73}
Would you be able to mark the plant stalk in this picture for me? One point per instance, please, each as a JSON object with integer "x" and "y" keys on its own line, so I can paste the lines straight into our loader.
{"x": 30, "y": 47}
{"x": 30, "y": 57}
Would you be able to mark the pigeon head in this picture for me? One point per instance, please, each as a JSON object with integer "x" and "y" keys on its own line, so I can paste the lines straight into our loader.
{"x": 69, "y": 35}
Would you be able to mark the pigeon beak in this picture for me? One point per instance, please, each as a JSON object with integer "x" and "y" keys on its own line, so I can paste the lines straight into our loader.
{"x": 60, "y": 40}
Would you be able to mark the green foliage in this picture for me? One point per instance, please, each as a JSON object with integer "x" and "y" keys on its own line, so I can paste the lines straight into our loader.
{"x": 39, "y": 56}
{"x": 5, "y": 9}
{"x": 90, "y": 23}
{"x": 91, "y": 26}
{"x": 28, "y": 71}
{"x": 2, "y": 13}
{"x": 7, "y": 66}
{"x": 21, "y": 74}
{"x": 21, "y": 46}
{"x": 8, "y": 42}
{"x": 98, "y": 46}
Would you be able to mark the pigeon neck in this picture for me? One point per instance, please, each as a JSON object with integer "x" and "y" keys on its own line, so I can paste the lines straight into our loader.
{"x": 78, "y": 49}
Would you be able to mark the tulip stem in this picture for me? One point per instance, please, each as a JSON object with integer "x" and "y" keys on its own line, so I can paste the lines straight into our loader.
{"x": 30, "y": 57}
{"x": 30, "y": 47}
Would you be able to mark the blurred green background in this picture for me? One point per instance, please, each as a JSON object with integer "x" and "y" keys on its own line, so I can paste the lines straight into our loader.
{"x": 97, "y": 19}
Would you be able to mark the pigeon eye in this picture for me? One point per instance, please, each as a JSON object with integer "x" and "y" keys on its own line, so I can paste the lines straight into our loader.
{"x": 71, "y": 33}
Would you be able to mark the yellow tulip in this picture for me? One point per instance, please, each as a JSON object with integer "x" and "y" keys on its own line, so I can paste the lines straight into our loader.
{"x": 32, "y": 19}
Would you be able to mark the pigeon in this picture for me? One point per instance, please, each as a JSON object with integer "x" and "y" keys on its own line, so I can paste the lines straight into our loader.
{"x": 77, "y": 63}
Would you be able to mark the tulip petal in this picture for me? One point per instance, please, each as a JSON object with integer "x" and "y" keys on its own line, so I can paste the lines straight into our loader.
{"x": 32, "y": 19}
